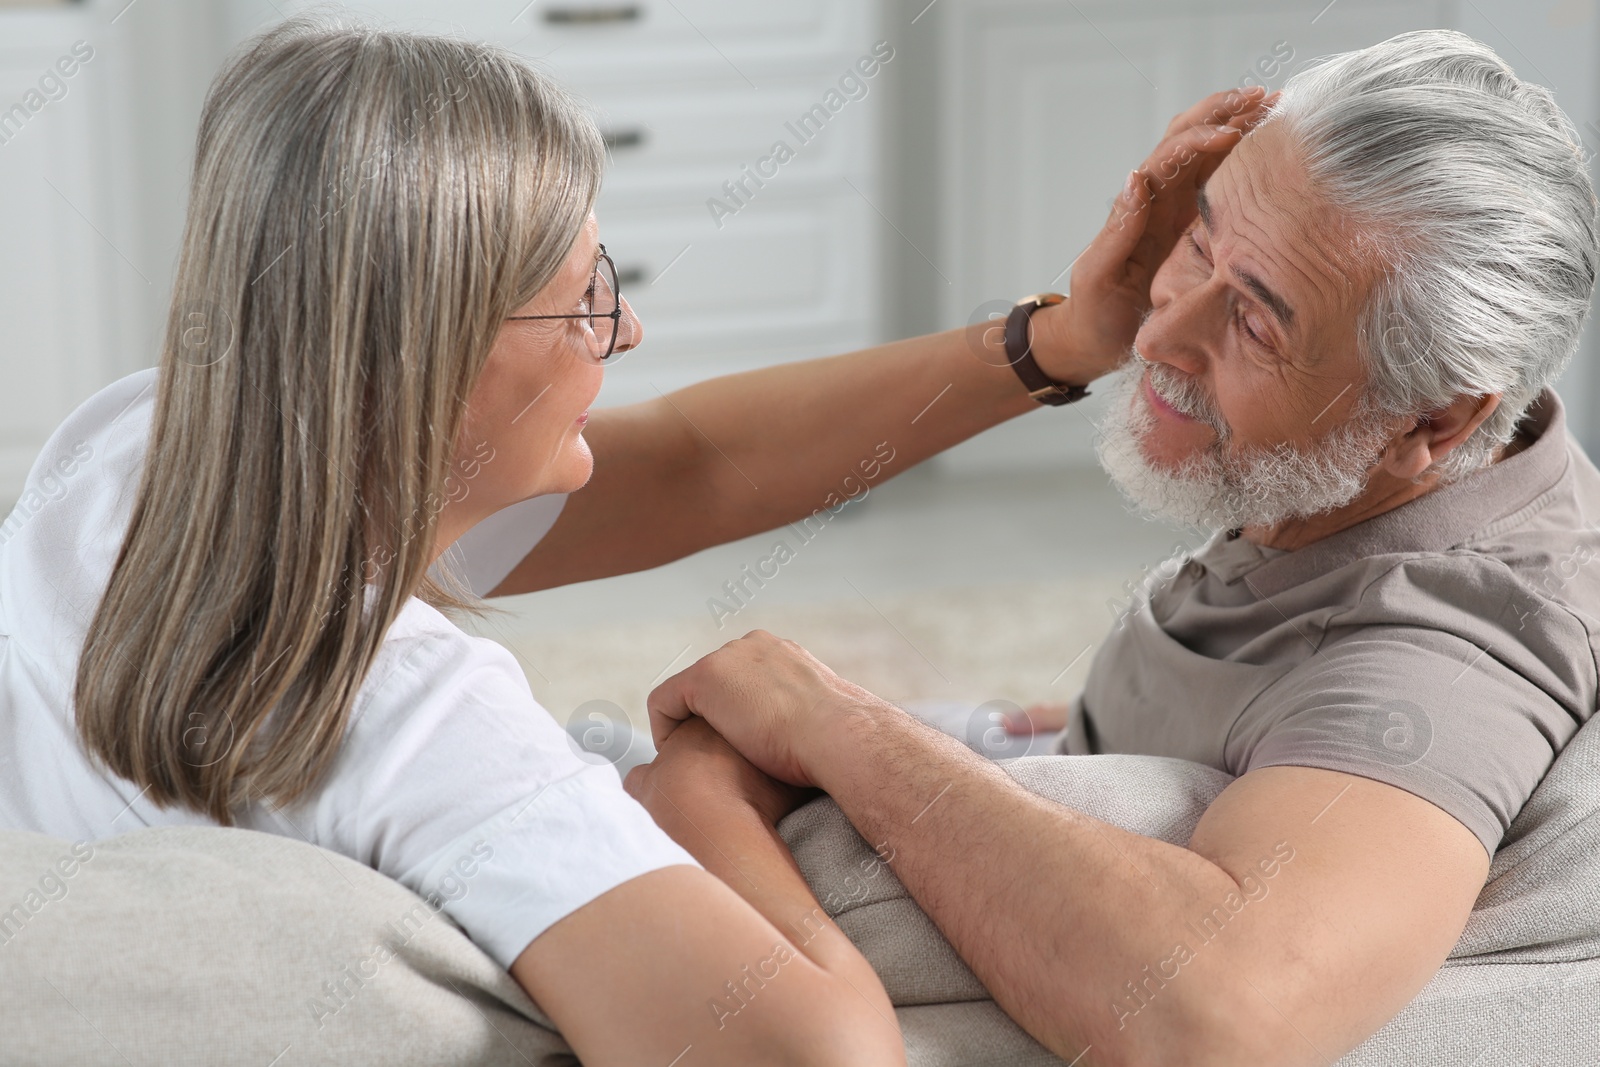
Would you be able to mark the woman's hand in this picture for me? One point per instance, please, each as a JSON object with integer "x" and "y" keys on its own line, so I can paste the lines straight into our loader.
{"x": 1038, "y": 719}
{"x": 695, "y": 766}
{"x": 1090, "y": 334}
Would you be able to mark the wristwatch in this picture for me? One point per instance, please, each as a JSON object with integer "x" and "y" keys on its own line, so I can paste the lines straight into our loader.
{"x": 1019, "y": 353}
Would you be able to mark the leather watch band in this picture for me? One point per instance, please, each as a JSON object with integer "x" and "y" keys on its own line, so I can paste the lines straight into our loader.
{"x": 1019, "y": 353}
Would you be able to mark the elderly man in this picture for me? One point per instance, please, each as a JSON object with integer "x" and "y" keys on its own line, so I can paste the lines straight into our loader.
{"x": 1344, "y": 369}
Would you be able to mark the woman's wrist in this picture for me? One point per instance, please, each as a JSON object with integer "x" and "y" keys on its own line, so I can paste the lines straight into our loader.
{"x": 702, "y": 818}
{"x": 1057, "y": 349}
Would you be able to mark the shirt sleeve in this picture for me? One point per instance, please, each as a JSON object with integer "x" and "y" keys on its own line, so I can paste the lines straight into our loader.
{"x": 1420, "y": 709}
{"x": 491, "y": 550}
{"x": 454, "y": 782}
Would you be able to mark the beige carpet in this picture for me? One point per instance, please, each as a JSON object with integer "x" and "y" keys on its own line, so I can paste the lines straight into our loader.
{"x": 1023, "y": 643}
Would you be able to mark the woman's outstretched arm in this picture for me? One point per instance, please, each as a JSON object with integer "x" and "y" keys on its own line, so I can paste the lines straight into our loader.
{"x": 736, "y": 455}
{"x": 735, "y": 964}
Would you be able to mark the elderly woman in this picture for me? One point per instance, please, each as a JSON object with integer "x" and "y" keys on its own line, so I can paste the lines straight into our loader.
{"x": 392, "y": 311}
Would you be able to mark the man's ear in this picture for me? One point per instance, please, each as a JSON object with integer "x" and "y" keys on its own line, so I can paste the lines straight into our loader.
{"x": 1436, "y": 435}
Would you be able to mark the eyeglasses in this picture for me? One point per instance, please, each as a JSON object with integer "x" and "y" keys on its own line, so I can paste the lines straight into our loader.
{"x": 604, "y": 314}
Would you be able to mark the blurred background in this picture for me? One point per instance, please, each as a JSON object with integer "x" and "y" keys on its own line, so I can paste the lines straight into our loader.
{"x": 972, "y": 166}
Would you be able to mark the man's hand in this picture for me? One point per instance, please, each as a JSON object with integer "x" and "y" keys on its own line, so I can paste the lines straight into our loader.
{"x": 766, "y": 695}
{"x": 697, "y": 765}
{"x": 1090, "y": 334}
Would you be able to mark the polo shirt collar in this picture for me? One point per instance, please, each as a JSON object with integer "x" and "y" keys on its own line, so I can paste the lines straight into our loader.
{"x": 1438, "y": 520}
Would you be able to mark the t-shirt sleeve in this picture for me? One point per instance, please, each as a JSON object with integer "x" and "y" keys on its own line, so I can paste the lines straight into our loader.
{"x": 454, "y": 781}
{"x": 488, "y": 552}
{"x": 1423, "y": 710}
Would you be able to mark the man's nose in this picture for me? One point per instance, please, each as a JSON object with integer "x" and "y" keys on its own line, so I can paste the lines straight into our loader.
{"x": 630, "y": 331}
{"x": 1184, "y": 327}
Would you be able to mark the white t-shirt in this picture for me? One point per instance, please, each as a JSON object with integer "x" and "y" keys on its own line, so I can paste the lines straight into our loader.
{"x": 451, "y": 778}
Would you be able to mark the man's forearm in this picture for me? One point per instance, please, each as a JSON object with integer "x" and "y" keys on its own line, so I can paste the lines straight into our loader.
{"x": 1054, "y": 911}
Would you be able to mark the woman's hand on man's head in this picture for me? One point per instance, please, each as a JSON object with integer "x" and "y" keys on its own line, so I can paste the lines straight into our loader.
{"x": 1090, "y": 334}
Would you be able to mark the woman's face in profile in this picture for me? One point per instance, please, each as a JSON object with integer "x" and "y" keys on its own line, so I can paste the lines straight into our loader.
{"x": 530, "y": 405}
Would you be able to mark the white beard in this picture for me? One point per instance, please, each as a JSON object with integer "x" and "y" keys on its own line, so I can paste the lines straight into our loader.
{"x": 1224, "y": 487}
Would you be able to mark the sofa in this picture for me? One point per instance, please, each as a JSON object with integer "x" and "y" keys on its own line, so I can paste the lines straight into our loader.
{"x": 199, "y": 945}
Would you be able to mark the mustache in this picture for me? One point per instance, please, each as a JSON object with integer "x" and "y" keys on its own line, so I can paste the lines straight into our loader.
{"x": 1183, "y": 393}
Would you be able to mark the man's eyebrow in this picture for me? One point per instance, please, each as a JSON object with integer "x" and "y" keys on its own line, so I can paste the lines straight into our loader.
{"x": 1276, "y": 304}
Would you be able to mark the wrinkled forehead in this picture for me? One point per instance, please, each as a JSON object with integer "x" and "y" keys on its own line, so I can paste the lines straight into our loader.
{"x": 1270, "y": 219}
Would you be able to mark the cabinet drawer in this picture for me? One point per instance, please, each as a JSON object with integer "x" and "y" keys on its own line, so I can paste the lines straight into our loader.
{"x": 592, "y": 30}
{"x": 700, "y": 139}
{"x": 790, "y": 276}
{"x": 783, "y": 257}
{"x": 617, "y": 35}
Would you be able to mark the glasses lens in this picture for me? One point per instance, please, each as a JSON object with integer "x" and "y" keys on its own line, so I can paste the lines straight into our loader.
{"x": 603, "y": 311}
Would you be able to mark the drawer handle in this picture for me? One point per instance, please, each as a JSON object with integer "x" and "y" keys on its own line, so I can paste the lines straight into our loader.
{"x": 628, "y": 277}
{"x": 615, "y": 139}
{"x": 592, "y": 16}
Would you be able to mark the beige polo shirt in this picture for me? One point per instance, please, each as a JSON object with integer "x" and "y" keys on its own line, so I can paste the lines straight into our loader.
{"x": 1447, "y": 647}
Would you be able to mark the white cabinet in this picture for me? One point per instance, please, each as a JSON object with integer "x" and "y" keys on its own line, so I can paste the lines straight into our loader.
{"x": 695, "y": 96}
{"x": 1045, "y": 107}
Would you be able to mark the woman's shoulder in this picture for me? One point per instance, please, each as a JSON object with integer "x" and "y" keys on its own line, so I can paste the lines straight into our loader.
{"x": 97, "y": 445}
{"x": 60, "y": 541}
{"x": 112, "y": 422}
{"x": 428, "y": 666}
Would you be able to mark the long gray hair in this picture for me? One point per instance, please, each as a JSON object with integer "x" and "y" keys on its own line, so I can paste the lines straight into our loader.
{"x": 366, "y": 208}
{"x": 1472, "y": 188}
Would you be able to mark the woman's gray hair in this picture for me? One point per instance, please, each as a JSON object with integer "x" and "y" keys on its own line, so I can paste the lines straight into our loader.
{"x": 366, "y": 209}
{"x": 1471, "y": 187}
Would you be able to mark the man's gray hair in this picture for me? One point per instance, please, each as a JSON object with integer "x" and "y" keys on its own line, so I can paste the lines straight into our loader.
{"x": 1472, "y": 189}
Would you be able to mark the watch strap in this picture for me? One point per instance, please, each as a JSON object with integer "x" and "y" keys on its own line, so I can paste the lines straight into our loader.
{"x": 1019, "y": 353}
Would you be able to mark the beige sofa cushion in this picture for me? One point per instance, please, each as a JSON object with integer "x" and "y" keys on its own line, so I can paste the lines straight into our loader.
{"x": 206, "y": 946}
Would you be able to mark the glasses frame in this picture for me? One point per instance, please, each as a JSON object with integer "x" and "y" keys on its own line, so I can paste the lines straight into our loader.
{"x": 615, "y": 315}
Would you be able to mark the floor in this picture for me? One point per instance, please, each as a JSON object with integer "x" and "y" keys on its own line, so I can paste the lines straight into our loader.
{"x": 958, "y": 595}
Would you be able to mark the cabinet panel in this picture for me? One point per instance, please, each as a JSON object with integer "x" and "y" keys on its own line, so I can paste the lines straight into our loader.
{"x": 616, "y": 36}
{"x": 593, "y": 25}
{"x": 789, "y": 280}
{"x": 700, "y": 138}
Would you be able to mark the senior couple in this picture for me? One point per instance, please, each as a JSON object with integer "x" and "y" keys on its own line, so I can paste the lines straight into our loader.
{"x": 1328, "y": 321}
